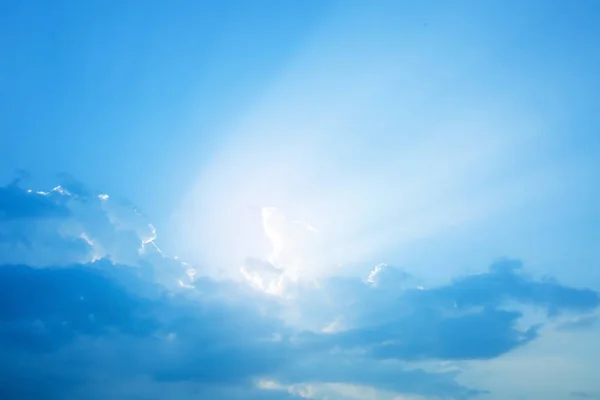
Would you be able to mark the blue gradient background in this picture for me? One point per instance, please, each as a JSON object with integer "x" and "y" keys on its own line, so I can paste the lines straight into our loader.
{"x": 374, "y": 200}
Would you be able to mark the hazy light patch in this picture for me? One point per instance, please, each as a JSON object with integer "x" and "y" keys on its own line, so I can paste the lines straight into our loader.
{"x": 334, "y": 391}
{"x": 335, "y": 326}
{"x": 407, "y": 193}
{"x": 85, "y": 237}
{"x": 293, "y": 254}
{"x": 550, "y": 367}
{"x": 374, "y": 159}
{"x": 306, "y": 226}
{"x": 293, "y": 244}
{"x": 266, "y": 384}
{"x": 185, "y": 285}
{"x": 273, "y": 224}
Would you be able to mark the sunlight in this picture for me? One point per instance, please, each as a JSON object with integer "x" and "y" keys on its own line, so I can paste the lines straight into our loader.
{"x": 352, "y": 148}
{"x": 325, "y": 200}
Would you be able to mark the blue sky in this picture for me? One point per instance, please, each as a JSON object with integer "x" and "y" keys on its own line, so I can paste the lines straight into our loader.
{"x": 287, "y": 200}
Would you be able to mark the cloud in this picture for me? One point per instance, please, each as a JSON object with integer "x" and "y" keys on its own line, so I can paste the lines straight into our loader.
{"x": 579, "y": 323}
{"x": 78, "y": 313}
{"x": 44, "y": 308}
{"x": 463, "y": 320}
{"x": 81, "y": 314}
{"x": 584, "y": 395}
{"x": 16, "y": 203}
{"x": 70, "y": 224}
{"x": 87, "y": 297}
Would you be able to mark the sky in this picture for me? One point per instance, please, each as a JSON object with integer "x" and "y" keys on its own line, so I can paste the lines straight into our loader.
{"x": 330, "y": 200}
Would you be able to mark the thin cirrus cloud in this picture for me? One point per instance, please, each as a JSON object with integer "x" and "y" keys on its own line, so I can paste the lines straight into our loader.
{"x": 67, "y": 326}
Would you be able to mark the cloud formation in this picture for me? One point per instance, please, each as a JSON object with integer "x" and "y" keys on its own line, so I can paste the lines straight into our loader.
{"x": 91, "y": 308}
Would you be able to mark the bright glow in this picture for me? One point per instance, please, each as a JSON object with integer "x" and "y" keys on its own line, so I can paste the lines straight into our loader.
{"x": 376, "y": 161}
{"x": 273, "y": 222}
